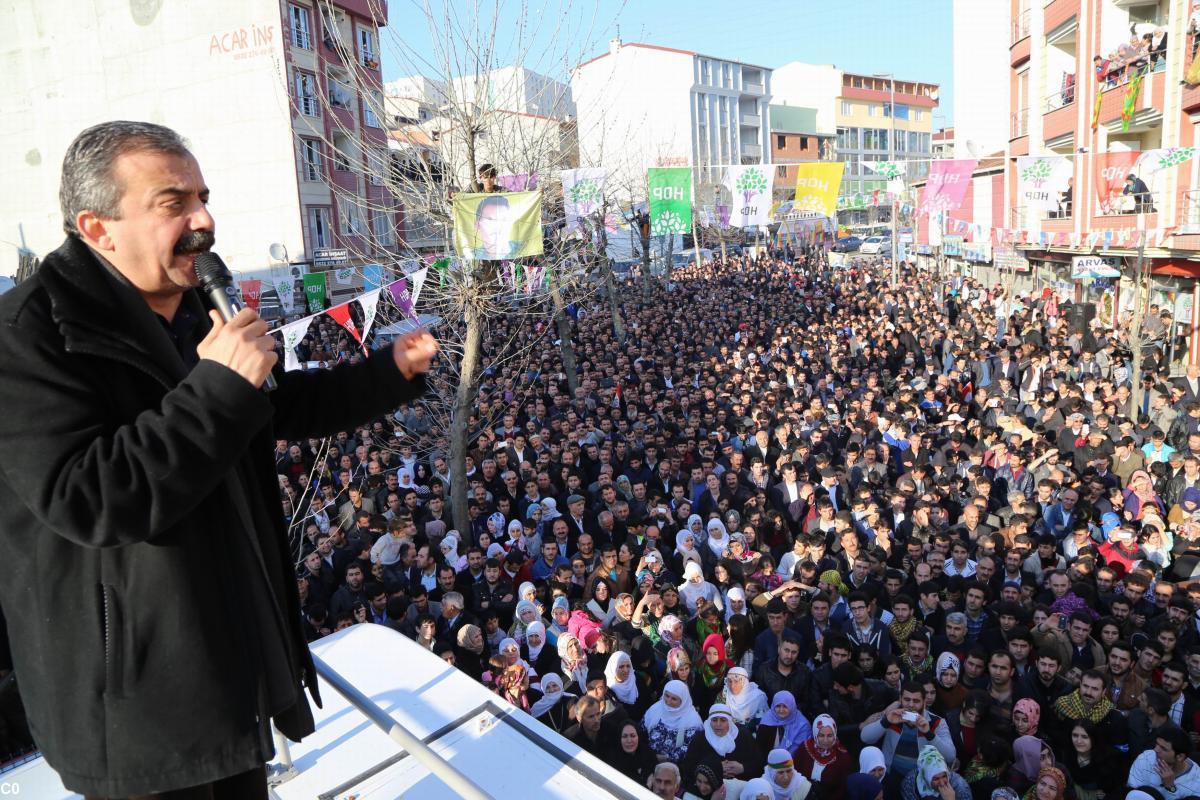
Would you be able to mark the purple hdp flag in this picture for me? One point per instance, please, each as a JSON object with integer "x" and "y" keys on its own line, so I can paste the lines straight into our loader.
{"x": 723, "y": 215}
{"x": 402, "y": 297}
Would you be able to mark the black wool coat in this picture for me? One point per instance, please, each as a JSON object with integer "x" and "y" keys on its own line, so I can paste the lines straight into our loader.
{"x": 148, "y": 587}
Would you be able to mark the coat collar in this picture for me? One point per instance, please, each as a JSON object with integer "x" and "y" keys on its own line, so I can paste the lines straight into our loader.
{"x": 99, "y": 313}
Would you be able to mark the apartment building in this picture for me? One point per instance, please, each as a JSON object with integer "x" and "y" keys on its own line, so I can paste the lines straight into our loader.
{"x": 698, "y": 110}
{"x": 278, "y": 101}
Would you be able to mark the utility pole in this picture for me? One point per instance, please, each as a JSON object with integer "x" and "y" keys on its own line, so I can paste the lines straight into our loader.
{"x": 891, "y": 76}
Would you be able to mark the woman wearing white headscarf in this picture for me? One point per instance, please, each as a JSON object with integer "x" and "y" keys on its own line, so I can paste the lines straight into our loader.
{"x": 745, "y": 701}
{"x": 931, "y": 775}
{"x": 621, "y": 680}
{"x": 694, "y": 587}
{"x": 717, "y": 541}
{"x": 536, "y": 649}
{"x": 687, "y": 549}
{"x": 671, "y": 723}
{"x": 735, "y": 602}
{"x": 526, "y": 614}
{"x": 574, "y": 661}
{"x": 725, "y": 748}
{"x": 553, "y": 708}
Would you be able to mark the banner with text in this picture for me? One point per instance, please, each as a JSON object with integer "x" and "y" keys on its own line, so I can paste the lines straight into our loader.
{"x": 670, "y": 190}
{"x": 314, "y": 291}
{"x": 583, "y": 193}
{"x": 947, "y": 185}
{"x": 1043, "y": 181}
{"x": 817, "y": 187}
{"x": 750, "y": 187}
{"x": 493, "y": 227}
{"x": 892, "y": 170}
{"x": 252, "y": 293}
{"x": 1110, "y": 171}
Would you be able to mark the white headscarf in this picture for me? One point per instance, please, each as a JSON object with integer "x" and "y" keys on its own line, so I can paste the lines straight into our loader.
{"x": 687, "y": 553}
{"x": 747, "y": 704}
{"x": 735, "y": 593}
{"x": 626, "y": 691}
{"x": 870, "y": 758}
{"x": 683, "y": 718}
{"x": 721, "y": 745}
{"x": 549, "y": 696}
{"x": 539, "y": 628}
{"x": 691, "y": 591}
{"x": 719, "y": 544}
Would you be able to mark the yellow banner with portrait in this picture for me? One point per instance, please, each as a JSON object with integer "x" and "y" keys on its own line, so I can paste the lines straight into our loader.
{"x": 497, "y": 226}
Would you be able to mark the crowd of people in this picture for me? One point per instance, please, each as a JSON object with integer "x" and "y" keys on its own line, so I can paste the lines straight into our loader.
{"x": 801, "y": 535}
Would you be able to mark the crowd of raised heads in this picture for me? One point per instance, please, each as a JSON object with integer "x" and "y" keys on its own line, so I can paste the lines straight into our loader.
{"x": 800, "y": 534}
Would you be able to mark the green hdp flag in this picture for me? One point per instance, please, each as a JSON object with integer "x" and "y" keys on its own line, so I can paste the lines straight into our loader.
{"x": 314, "y": 291}
{"x": 670, "y": 190}
{"x": 441, "y": 266}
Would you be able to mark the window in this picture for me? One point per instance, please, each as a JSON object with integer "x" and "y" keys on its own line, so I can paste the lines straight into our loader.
{"x": 301, "y": 25}
{"x": 726, "y": 75}
{"x": 803, "y": 142}
{"x": 705, "y": 71}
{"x": 340, "y": 94}
{"x": 385, "y": 231}
{"x": 368, "y": 53}
{"x": 881, "y": 138}
{"x": 311, "y": 158}
{"x": 351, "y": 218}
{"x": 918, "y": 115}
{"x": 873, "y": 111}
{"x": 319, "y": 230}
{"x": 377, "y": 166}
{"x": 781, "y": 172}
{"x": 306, "y": 93}
{"x": 846, "y": 110}
{"x": 371, "y": 102}
{"x": 780, "y": 141}
{"x": 341, "y": 152}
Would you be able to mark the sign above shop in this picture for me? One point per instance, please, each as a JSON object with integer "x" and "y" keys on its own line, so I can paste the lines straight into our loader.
{"x": 952, "y": 245}
{"x": 1085, "y": 267}
{"x": 977, "y": 252}
{"x": 1005, "y": 257}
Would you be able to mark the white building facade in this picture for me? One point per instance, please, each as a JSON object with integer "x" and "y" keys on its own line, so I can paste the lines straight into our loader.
{"x": 644, "y": 105}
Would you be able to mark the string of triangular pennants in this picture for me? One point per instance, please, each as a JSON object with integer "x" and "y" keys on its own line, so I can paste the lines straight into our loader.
{"x": 403, "y": 293}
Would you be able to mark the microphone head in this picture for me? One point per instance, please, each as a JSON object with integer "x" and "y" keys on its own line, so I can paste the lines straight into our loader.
{"x": 210, "y": 269}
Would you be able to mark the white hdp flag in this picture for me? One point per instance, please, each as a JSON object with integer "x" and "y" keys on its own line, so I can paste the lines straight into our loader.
{"x": 892, "y": 170}
{"x": 583, "y": 193}
{"x": 418, "y": 280}
{"x": 1042, "y": 181}
{"x": 370, "y": 304}
{"x": 287, "y": 298}
{"x": 750, "y": 187}
{"x": 293, "y": 332}
{"x": 344, "y": 276}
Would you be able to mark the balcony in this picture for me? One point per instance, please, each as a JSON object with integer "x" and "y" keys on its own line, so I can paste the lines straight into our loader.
{"x": 751, "y": 150}
{"x": 1189, "y": 212}
{"x": 755, "y": 89}
{"x": 1134, "y": 3}
{"x": 751, "y": 121}
{"x": 1059, "y": 110}
{"x": 1131, "y": 206}
{"x": 1020, "y": 27}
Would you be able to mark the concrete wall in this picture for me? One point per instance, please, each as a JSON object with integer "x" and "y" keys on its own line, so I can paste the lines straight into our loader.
{"x": 214, "y": 71}
{"x": 812, "y": 85}
{"x": 981, "y": 77}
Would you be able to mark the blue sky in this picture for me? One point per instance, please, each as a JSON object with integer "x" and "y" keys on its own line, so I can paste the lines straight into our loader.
{"x": 911, "y": 38}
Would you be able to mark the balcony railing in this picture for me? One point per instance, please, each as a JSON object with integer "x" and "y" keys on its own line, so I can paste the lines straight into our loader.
{"x": 1119, "y": 71}
{"x": 1189, "y": 212}
{"x": 340, "y": 97}
{"x": 752, "y": 88}
{"x": 1060, "y": 99}
{"x": 1127, "y": 205}
{"x": 1020, "y": 123}
{"x": 1020, "y": 26}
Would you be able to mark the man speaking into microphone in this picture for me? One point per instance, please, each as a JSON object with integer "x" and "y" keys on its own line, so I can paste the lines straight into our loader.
{"x": 148, "y": 587}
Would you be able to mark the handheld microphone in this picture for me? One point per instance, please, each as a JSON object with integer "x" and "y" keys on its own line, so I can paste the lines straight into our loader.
{"x": 217, "y": 283}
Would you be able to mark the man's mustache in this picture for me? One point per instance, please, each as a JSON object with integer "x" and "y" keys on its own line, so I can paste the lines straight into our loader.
{"x": 195, "y": 242}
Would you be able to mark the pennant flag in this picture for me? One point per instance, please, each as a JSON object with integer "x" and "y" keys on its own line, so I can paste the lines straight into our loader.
{"x": 750, "y": 188}
{"x": 817, "y": 186}
{"x": 251, "y": 293}
{"x": 341, "y": 315}
{"x": 892, "y": 170}
{"x": 583, "y": 193}
{"x": 670, "y": 190}
{"x": 522, "y": 182}
{"x": 947, "y": 184}
{"x": 418, "y": 282}
{"x": 442, "y": 267}
{"x": 1096, "y": 110}
{"x": 1042, "y": 180}
{"x": 493, "y": 227}
{"x": 372, "y": 276}
{"x": 285, "y": 290}
{"x": 723, "y": 214}
{"x": 293, "y": 332}
{"x": 314, "y": 291}
{"x": 404, "y": 297}
{"x": 1110, "y": 170}
{"x": 1107, "y": 239}
{"x": 344, "y": 277}
{"x": 370, "y": 305}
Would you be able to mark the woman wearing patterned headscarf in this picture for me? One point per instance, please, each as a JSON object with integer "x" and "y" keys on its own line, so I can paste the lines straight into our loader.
{"x": 823, "y": 760}
{"x": 950, "y": 691}
{"x": 1026, "y": 715}
{"x": 1051, "y": 785}
{"x": 931, "y": 775}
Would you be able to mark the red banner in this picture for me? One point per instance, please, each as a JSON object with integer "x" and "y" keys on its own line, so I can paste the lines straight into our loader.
{"x": 251, "y": 293}
{"x": 341, "y": 315}
{"x": 1110, "y": 171}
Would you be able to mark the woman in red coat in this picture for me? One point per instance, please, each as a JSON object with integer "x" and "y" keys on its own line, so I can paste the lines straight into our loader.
{"x": 823, "y": 760}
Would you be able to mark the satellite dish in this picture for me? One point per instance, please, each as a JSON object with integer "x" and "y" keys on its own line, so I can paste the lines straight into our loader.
{"x": 933, "y": 94}
{"x": 972, "y": 148}
{"x": 278, "y": 252}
